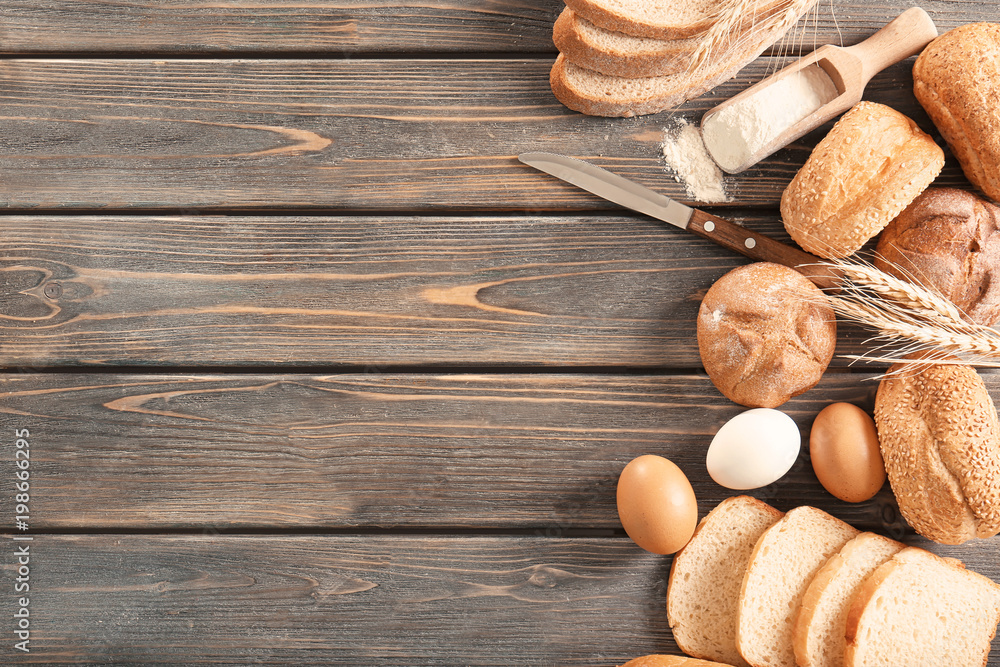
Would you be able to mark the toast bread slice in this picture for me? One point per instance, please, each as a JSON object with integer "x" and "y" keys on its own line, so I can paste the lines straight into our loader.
{"x": 819, "y": 633}
{"x": 706, "y": 575}
{"x": 919, "y": 609}
{"x": 783, "y": 563}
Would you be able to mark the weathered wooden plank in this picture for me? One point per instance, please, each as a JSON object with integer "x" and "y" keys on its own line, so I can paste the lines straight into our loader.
{"x": 365, "y": 135}
{"x": 539, "y": 452}
{"x": 344, "y": 28}
{"x": 348, "y": 600}
{"x": 386, "y": 291}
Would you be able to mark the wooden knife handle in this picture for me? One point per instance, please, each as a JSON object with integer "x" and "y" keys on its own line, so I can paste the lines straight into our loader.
{"x": 763, "y": 248}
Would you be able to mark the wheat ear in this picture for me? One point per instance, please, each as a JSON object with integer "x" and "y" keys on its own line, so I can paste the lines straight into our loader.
{"x": 911, "y": 317}
{"x": 731, "y": 21}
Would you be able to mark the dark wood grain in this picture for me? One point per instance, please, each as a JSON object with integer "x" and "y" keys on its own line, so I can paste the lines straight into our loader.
{"x": 352, "y": 600}
{"x": 615, "y": 291}
{"x": 372, "y": 135}
{"x": 344, "y": 28}
{"x": 535, "y": 452}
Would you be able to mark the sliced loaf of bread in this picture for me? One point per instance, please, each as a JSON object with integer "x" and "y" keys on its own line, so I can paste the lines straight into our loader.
{"x": 617, "y": 54}
{"x": 659, "y": 19}
{"x": 919, "y": 609}
{"x": 784, "y": 561}
{"x": 819, "y": 632}
{"x": 706, "y": 575}
{"x": 659, "y": 660}
{"x": 591, "y": 92}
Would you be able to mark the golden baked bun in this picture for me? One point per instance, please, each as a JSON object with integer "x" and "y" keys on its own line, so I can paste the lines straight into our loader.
{"x": 765, "y": 334}
{"x": 956, "y": 79}
{"x": 861, "y": 175}
{"x": 948, "y": 240}
{"x": 938, "y": 432}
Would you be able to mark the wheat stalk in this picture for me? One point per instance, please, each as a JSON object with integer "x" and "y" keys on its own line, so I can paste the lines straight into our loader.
{"x": 909, "y": 318}
{"x": 731, "y": 20}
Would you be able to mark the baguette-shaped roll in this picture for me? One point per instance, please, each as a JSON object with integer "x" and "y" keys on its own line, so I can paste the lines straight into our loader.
{"x": 957, "y": 81}
{"x": 938, "y": 430}
{"x": 860, "y": 176}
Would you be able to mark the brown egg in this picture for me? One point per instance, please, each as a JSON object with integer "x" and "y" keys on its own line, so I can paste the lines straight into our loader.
{"x": 843, "y": 445}
{"x": 656, "y": 504}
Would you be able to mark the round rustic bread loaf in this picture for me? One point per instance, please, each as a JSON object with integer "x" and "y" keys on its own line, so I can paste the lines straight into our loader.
{"x": 764, "y": 334}
{"x": 938, "y": 431}
{"x": 956, "y": 79}
{"x": 862, "y": 174}
{"x": 948, "y": 240}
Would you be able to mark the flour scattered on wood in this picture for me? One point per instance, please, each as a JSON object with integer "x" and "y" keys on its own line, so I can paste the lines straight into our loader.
{"x": 686, "y": 156}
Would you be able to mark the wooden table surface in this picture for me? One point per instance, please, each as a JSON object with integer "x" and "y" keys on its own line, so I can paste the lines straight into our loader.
{"x": 312, "y": 371}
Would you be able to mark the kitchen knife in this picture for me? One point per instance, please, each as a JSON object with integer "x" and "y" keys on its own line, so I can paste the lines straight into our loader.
{"x": 639, "y": 198}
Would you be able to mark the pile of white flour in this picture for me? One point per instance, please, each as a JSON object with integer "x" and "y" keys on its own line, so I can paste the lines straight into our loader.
{"x": 685, "y": 155}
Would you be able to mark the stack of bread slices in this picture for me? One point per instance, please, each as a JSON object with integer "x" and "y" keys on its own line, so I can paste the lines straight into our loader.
{"x": 758, "y": 587}
{"x": 635, "y": 57}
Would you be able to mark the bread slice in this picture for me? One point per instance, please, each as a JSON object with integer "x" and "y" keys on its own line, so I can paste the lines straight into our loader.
{"x": 920, "y": 609}
{"x": 591, "y": 92}
{"x": 597, "y": 94}
{"x": 818, "y": 635}
{"x": 706, "y": 574}
{"x": 617, "y": 54}
{"x": 784, "y": 561}
{"x": 659, "y": 19}
{"x": 658, "y": 660}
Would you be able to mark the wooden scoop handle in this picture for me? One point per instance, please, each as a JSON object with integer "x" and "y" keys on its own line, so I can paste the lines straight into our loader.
{"x": 763, "y": 248}
{"x": 904, "y": 36}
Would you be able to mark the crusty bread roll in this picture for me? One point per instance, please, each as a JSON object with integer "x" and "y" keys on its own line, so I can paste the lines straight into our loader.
{"x": 861, "y": 175}
{"x": 948, "y": 240}
{"x": 765, "y": 334}
{"x": 957, "y": 81}
{"x": 938, "y": 431}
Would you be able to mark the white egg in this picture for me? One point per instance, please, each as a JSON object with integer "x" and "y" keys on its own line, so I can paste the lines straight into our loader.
{"x": 753, "y": 449}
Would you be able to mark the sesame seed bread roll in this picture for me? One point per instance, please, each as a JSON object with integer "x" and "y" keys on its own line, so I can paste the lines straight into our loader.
{"x": 860, "y": 176}
{"x": 956, "y": 79}
{"x": 938, "y": 431}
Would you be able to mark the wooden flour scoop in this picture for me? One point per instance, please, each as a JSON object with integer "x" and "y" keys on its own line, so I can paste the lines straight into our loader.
{"x": 849, "y": 68}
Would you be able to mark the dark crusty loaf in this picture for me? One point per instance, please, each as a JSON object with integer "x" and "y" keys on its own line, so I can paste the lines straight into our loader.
{"x": 938, "y": 431}
{"x": 948, "y": 240}
{"x": 957, "y": 81}
{"x": 764, "y": 334}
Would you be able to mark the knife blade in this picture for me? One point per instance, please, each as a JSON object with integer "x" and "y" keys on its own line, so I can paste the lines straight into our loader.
{"x": 632, "y": 195}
